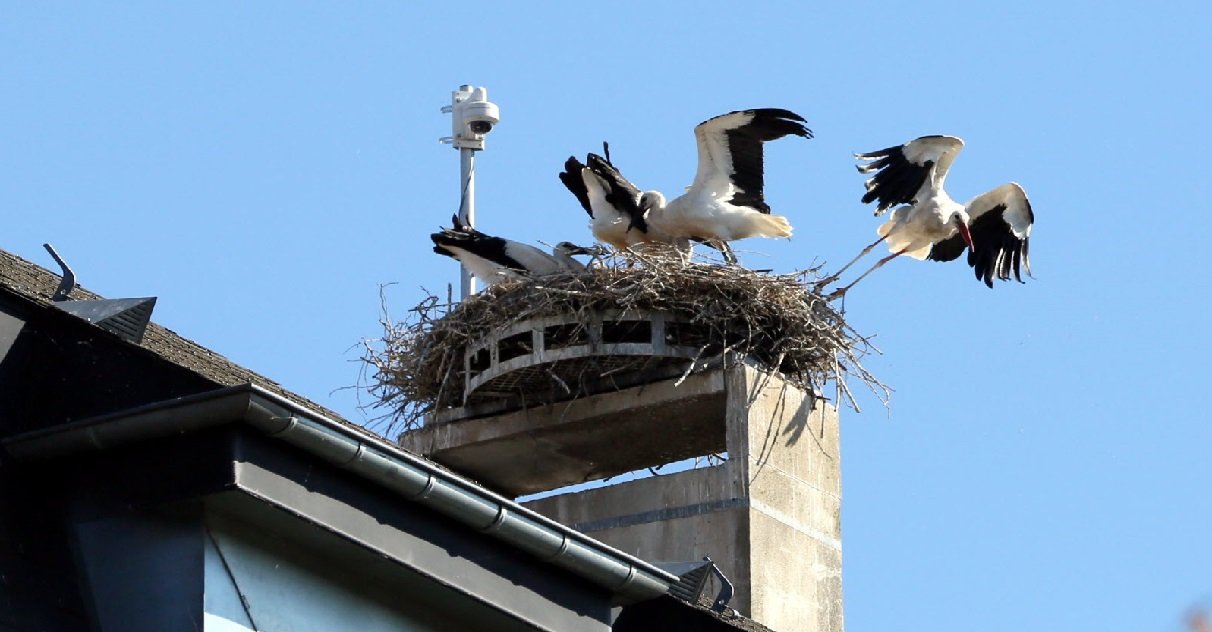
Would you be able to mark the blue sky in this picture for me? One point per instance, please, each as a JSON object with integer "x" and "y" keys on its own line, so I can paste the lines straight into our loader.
{"x": 263, "y": 168}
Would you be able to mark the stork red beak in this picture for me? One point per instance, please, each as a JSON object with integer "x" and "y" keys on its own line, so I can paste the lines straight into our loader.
{"x": 963, "y": 228}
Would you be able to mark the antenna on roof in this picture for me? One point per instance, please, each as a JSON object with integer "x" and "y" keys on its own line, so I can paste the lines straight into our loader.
{"x": 68, "y": 282}
{"x": 473, "y": 116}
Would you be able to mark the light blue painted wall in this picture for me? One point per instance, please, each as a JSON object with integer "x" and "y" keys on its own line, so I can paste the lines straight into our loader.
{"x": 284, "y": 595}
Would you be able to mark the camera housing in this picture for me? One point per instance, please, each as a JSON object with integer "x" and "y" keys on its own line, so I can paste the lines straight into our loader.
{"x": 474, "y": 116}
{"x": 481, "y": 116}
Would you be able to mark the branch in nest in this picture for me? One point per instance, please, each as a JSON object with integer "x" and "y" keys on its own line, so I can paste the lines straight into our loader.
{"x": 778, "y": 320}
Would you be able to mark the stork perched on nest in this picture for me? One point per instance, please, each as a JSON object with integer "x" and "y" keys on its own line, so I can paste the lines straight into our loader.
{"x": 613, "y": 203}
{"x": 493, "y": 259}
{"x": 994, "y": 227}
{"x": 725, "y": 202}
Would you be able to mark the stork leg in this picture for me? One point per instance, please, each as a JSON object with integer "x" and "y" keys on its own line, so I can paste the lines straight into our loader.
{"x": 842, "y": 291}
{"x": 725, "y": 249}
{"x": 836, "y": 275}
{"x": 717, "y": 244}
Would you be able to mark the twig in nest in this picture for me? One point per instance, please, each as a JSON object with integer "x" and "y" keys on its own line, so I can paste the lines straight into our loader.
{"x": 690, "y": 367}
{"x": 778, "y": 321}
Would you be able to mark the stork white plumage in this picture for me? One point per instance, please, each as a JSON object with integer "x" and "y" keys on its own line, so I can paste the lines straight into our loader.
{"x": 494, "y": 259}
{"x": 726, "y": 200}
{"x": 994, "y": 227}
{"x": 612, "y": 201}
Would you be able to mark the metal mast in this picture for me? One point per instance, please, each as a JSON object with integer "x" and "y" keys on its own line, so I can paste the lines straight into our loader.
{"x": 473, "y": 116}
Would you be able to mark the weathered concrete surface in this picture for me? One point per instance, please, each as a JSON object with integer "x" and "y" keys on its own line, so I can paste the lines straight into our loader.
{"x": 793, "y": 469}
{"x": 593, "y": 437}
{"x": 673, "y": 518}
{"x": 769, "y": 517}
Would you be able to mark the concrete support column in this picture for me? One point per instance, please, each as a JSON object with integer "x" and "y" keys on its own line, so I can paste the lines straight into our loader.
{"x": 770, "y": 516}
{"x": 785, "y": 456}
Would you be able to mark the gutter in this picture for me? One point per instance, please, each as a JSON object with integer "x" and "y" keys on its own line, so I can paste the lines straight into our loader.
{"x": 412, "y": 477}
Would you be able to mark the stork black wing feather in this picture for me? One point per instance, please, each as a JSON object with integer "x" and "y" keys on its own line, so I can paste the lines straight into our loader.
{"x": 897, "y": 180}
{"x": 998, "y": 252}
{"x": 571, "y": 177}
{"x": 948, "y": 249}
{"x": 621, "y": 193}
{"x": 477, "y": 243}
{"x": 745, "y": 147}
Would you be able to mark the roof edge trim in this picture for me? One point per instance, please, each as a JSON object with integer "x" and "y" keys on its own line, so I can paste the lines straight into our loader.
{"x": 628, "y": 578}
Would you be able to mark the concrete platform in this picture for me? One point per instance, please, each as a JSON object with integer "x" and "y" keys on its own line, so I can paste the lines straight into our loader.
{"x": 593, "y": 437}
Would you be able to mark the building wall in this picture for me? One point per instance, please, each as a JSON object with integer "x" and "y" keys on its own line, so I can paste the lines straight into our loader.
{"x": 770, "y": 517}
{"x": 679, "y": 517}
{"x": 188, "y": 568}
{"x": 255, "y": 581}
{"x": 38, "y": 589}
{"x": 37, "y": 586}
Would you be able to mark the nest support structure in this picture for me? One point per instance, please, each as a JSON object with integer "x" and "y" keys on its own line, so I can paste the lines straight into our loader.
{"x": 555, "y": 357}
{"x": 530, "y": 342}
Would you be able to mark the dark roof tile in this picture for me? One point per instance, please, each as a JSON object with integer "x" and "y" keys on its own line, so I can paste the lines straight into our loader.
{"x": 38, "y": 284}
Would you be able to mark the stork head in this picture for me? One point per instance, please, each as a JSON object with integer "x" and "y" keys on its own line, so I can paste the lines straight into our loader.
{"x": 568, "y": 248}
{"x": 960, "y": 219}
{"x": 651, "y": 200}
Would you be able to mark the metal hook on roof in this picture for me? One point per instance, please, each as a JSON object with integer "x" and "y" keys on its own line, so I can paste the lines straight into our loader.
{"x": 68, "y": 283}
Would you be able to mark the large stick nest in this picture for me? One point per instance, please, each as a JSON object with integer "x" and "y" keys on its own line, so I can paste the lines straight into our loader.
{"x": 779, "y": 321}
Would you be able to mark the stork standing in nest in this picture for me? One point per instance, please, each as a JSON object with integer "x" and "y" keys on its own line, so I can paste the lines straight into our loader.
{"x": 613, "y": 203}
{"x": 493, "y": 259}
{"x": 726, "y": 201}
{"x": 994, "y": 227}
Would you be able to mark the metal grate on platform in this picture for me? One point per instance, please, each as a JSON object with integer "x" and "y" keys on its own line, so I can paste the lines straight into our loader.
{"x": 556, "y": 357}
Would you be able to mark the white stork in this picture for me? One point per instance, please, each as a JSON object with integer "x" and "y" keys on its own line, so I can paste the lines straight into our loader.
{"x": 493, "y": 259}
{"x": 995, "y": 226}
{"x": 725, "y": 201}
{"x": 613, "y": 202}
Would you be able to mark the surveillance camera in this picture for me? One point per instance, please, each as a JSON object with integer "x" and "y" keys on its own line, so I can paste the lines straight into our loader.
{"x": 480, "y": 116}
{"x": 473, "y": 116}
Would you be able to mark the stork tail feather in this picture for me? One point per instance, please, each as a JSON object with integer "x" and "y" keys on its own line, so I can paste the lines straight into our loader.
{"x": 761, "y": 225}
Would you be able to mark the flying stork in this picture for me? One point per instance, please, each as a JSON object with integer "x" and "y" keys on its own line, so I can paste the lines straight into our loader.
{"x": 493, "y": 259}
{"x": 994, "y": 227}
{"x": 725, "y": 201}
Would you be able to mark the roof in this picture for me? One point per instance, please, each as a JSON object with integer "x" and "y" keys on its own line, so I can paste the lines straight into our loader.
{"x": 243, "y": 396}
{"x": 379, "y": 462}
{"x": 38, "y": 284}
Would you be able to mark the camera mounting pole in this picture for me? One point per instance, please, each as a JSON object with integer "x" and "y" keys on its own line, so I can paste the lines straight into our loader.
{"x": 473, "y": 116}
